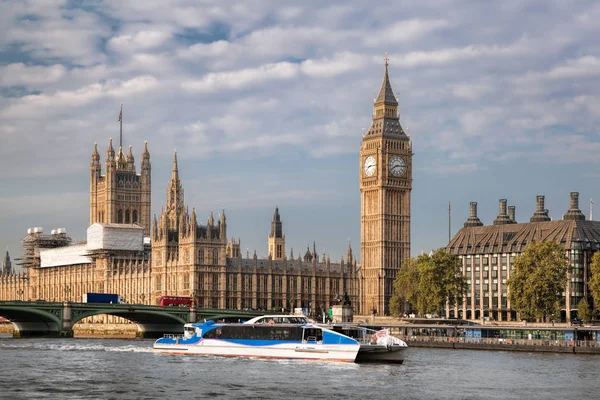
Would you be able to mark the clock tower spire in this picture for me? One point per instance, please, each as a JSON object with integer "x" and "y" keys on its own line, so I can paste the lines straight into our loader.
{"x": 385, "y": 185}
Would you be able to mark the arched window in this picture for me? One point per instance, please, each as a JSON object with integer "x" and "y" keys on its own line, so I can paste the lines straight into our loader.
{"x": 201, "y": 256}
{"x": 127, "y": 216}
{"x": 120, "y": 216}
{"x": 134, "y": 217}
{"x": 215, "y": 259}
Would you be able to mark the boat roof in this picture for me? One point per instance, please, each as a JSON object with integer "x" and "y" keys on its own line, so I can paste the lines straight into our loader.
{"x": 270, "y": 316}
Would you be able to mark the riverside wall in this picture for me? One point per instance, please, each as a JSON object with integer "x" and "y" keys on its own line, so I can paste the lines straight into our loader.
{"x": 116, "y": 331}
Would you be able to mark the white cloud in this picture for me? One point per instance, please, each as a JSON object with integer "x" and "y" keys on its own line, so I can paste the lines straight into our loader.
{"x": 244, "y": 78}
{"x": 30, "y": 75}
{"x": 60, "y": 100}
{"x": 140, "y": 40}
{"x": 338, "y": 64}
{"x": 402, "y": 31}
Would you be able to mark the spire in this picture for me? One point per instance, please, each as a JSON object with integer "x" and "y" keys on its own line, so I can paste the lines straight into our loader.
{"x": 146, "y": 153}
{"x": 386, "y": 93}
{"x": 6, "y": 265}
{"x": 175, "y": 173}
{"x": 155, "y": 227}
{"x": 276, "y": 226}
{"x": 211, "y": 219}
{"x": 120, "y": 159}
{"x": 385, "y": 110}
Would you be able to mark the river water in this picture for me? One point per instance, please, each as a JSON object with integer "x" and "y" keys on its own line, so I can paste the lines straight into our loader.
{"x": 129, "y": 369}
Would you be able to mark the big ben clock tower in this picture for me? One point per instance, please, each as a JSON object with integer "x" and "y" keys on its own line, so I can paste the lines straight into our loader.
{"x": 385, "y": 186}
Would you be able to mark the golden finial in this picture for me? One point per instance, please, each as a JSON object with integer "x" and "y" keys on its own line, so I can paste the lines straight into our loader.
{"x": 386, "y": 59}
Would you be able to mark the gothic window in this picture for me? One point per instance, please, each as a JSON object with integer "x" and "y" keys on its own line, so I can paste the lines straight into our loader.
{"x": 120, "y": 216}
{"x": 134, "y": 217}
{"x": 158, "y": 283}
{"x": 215, "y": 259}
{"x": 186, "y": 256}
{"x": 186, "y": 281}
{"x": 201, "y": 256}
{"x": 127, "y": 216}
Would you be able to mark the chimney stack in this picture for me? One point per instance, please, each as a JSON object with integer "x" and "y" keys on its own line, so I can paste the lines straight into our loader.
{"x": 473, "y": 220}
{"x": 503, "y": 217}
{"x": 574, "y": 213}
{"x": 541, "y": 214}
{"x": 511, "y": 214}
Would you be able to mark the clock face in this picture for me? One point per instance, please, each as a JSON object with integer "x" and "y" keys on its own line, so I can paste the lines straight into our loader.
{"x": 369, "y": 166}
{"x": 397, "y": 165}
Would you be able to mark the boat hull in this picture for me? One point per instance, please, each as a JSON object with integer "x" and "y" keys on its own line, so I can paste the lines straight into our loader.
{"x": 215, "y": 347}
{"x": 381, "y": 353}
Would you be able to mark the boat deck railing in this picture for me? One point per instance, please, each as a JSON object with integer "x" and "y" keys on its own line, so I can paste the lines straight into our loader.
{"x": 172, "y": 336}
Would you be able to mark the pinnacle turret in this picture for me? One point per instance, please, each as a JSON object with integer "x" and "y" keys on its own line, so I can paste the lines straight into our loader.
{"x": 130, "y": 160}
{"x": 95, "y": 155}
{"x": 110, "y": 153}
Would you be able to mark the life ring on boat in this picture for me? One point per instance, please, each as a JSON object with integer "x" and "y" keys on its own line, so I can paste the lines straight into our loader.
{"x": 271, "y": 323}
{"x": 375, "y": 338}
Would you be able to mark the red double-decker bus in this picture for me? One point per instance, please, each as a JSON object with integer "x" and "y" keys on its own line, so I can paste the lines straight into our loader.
{"x": 175, "y": 301}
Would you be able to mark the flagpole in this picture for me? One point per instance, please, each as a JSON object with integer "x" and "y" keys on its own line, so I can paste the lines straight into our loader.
{"x": 121, "y": 130}
{"x": 448, "y": 222}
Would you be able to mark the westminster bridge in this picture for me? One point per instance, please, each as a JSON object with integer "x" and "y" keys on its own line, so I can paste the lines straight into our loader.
{"x": 41, "y": 318}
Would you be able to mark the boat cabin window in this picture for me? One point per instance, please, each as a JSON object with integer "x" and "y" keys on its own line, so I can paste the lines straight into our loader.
{"x": 313, "y": 335}
{"x": 257, "y": 332}
{"x": 188, "y": 331}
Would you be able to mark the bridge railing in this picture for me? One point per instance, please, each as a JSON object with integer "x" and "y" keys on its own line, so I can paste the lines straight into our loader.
{"x": 502, "y": 341}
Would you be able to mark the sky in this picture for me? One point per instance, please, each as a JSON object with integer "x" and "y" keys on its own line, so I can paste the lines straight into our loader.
{"x": 266, "y": 102}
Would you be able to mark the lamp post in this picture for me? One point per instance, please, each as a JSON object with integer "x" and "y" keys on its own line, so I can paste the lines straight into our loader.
{"x": 20, "y": 293}
{"x": 373, "y": 309}
{"x": 142, "y": 297}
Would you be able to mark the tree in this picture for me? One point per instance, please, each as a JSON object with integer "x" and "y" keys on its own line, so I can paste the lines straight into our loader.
{"x": 594, "y": 282}
{"x": 405, "y": 287}
{"x": 538, "y": 280}
{"x": 583, "y": 310}
{"x": 427, "y": 283}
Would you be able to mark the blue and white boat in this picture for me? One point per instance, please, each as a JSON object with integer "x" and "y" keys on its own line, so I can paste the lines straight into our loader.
{"x": 263, "y": 340}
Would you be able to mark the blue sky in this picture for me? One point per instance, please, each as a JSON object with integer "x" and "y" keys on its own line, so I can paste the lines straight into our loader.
{"x": 265, "y": 103}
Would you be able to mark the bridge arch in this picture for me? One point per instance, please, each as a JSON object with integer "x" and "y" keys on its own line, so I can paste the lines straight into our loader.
{"x": 33, "y": 321}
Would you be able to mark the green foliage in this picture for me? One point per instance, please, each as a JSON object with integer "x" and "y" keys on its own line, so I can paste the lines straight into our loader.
{"x": 594, "y": 282}
{"x": 427, "y": 283}
{"x": 538, "y": 280}
{"x": 583, "y": 310}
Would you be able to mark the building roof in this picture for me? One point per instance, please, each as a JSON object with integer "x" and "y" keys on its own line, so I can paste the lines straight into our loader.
{"x": 513, "y": 238}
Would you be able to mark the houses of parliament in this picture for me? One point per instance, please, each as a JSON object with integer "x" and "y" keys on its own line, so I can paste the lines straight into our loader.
{"x": 141, "y": 257}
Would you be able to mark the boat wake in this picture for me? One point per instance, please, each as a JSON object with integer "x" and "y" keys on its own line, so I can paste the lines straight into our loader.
{"x": 50, "y": 346}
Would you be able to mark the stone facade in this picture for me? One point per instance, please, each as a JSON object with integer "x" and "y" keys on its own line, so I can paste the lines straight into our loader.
{"x": 120, "y": 195}
{"x": 385, "y": 187}
{"x": 488, "y": 254}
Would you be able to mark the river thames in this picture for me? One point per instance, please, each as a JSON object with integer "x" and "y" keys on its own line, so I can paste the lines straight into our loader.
{"x": 129, "y": 369}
